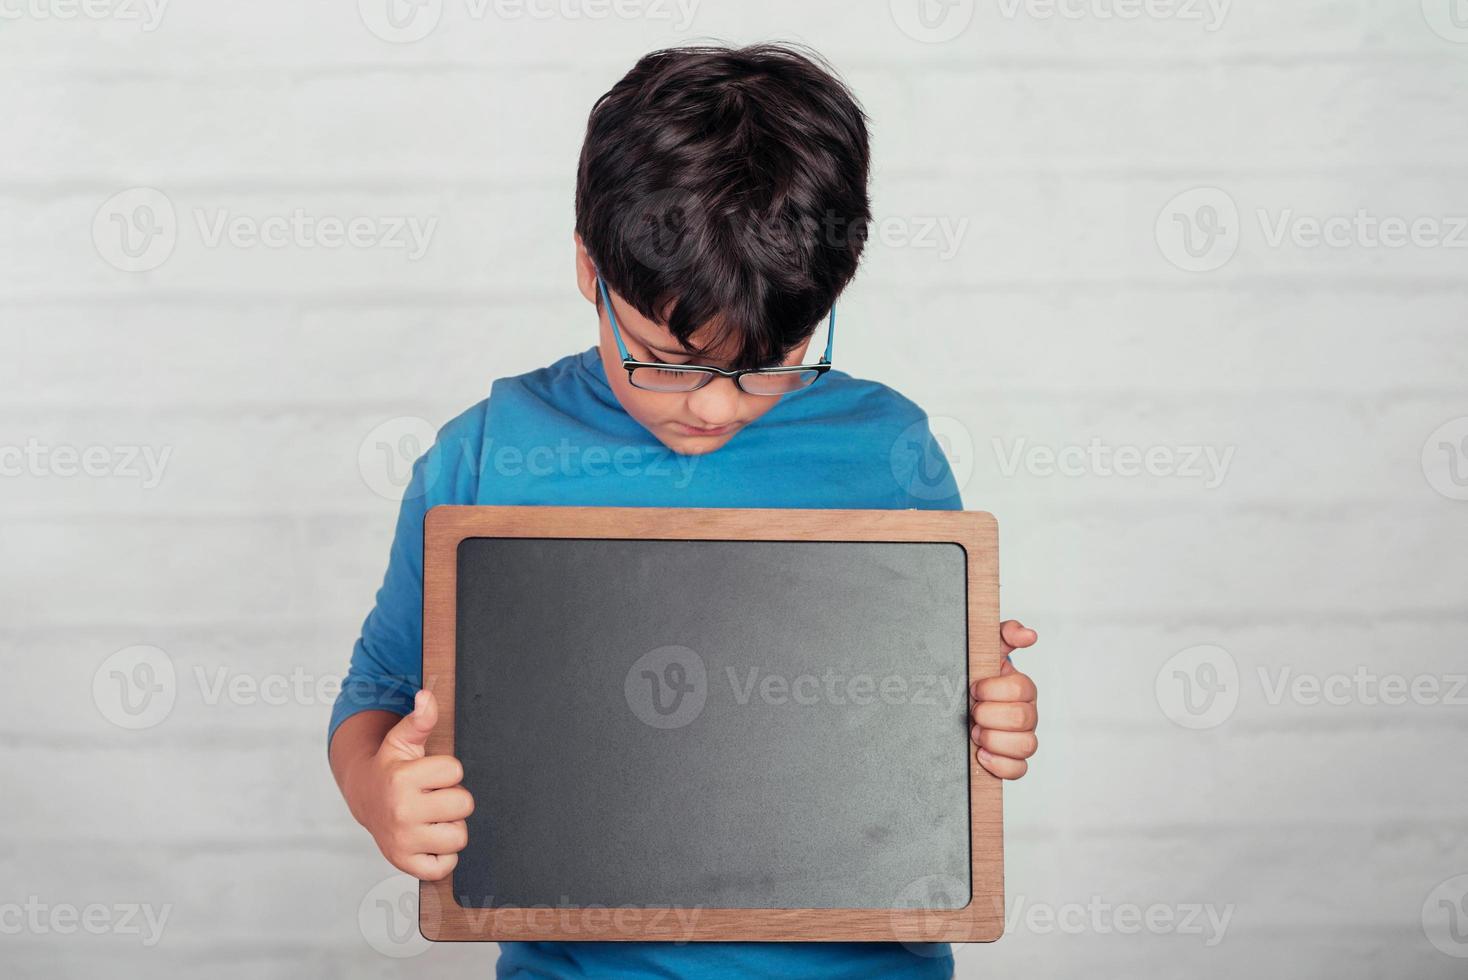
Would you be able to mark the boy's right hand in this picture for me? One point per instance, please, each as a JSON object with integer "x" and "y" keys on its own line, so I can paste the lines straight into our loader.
{"x": 411, "y": 802}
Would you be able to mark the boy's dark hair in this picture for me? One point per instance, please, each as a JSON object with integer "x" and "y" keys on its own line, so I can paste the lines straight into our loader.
{"x": 727, "y": 186}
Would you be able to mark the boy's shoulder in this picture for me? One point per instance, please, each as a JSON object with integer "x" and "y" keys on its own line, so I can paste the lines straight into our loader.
{"x": 541, "y": 384}
{"x": 860, "y": 404}
{"x": 871, "y": 394}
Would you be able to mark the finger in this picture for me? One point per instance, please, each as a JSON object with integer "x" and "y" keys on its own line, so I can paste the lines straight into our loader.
{"x": 1007, "y": 716}
{"x": 433, "y": 772}
{"x": 439, "y": 838}
{"x": 408, "y": 739}
{"x": 1014, "y": 635}
{"x": 1011, "y": 745}
{"x": 1013, "y": 686}
{"x": 1002, "y": 767}
{"x": 429, "y": 867}
{"x": 443, "y": 805}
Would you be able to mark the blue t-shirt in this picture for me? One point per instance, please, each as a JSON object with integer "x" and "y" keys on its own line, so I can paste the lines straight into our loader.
{"x": 558, "y": 436}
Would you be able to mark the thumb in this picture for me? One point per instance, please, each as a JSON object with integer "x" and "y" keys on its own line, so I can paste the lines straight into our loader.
{"x": 408, "y": 739}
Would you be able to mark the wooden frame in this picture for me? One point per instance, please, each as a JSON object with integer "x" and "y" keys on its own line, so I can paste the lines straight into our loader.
{"x": 982, "y": 920}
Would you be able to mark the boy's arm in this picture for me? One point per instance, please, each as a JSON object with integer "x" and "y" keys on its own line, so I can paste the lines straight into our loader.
{"x": 409, "y": 801}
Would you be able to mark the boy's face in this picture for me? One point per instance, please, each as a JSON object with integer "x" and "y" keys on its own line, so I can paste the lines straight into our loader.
{"x": 691, "y": 423}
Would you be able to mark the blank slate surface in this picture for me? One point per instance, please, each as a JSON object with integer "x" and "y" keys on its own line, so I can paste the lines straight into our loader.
{"x": 714, "y": 724}
{"x": 729, "y": 724}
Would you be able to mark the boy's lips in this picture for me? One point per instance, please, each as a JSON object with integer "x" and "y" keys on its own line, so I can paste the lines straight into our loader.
{"x": 694, "y": 430}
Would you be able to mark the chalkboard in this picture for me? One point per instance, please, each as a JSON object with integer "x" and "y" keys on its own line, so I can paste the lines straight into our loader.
{"x": 756, "y": 718}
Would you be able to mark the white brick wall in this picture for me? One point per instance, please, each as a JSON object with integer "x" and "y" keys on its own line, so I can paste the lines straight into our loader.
{"x": 1048, "y": 146}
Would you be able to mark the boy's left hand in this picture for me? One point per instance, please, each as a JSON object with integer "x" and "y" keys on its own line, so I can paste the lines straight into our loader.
{"x": 1004, "y": 710}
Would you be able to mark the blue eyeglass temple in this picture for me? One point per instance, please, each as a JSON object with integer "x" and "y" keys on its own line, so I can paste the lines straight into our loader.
{"x": 627, "y": 356}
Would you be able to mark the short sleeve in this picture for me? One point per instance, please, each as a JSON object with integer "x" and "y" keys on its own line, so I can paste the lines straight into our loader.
{"x": 386, "y": 667}
{"x": 920, "y": 465}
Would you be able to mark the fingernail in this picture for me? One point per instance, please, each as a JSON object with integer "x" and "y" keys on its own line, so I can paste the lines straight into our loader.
{"x": 986, "y": 755}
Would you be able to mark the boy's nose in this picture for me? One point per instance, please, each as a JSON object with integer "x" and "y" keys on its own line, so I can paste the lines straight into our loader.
{"x": 716, "y": 403}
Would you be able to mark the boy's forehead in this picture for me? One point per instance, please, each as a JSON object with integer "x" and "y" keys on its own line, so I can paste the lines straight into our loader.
{"x": 711, "y": 343}
{"x": 660, "y": 338}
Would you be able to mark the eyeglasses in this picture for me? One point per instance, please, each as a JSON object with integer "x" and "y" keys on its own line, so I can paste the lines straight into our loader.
{"x": 773, "y": 381}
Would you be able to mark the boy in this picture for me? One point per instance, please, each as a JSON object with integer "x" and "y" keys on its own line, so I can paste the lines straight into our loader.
{"x": 721, "y": 204}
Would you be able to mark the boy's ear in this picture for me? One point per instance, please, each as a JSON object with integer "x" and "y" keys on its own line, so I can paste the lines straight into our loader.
{"x": 585, "y": 271}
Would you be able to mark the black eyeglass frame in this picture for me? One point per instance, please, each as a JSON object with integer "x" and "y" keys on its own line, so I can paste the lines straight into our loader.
{"x": 632, "y": 364}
